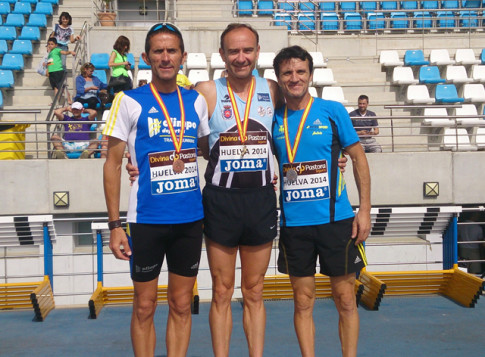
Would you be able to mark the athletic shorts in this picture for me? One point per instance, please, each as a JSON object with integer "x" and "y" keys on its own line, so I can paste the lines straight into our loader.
{"x": 55, "y": 79}
{"x": 331, "y": 242}
{"x": 150, "y": 243}
{"x": 242, "y": 216}
{"x": 75, "y": 145}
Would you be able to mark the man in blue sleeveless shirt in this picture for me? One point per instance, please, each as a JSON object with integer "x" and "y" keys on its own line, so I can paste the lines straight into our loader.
{"x": 160, "y": 124}
{"x": 317, "y": 219}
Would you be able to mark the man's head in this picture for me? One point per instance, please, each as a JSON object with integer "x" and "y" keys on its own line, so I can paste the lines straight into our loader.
{"x": 77, "y": 109}
{"x": 51, "y": 43}
{"x": 363, "y": 102}
{"x": 293, "y": 67}
{"x": 239, "y": 49}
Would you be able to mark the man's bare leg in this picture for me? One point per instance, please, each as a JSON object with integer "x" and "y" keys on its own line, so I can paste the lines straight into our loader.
{"x": 143, "y": 335}
{"x": 304, "y": 300}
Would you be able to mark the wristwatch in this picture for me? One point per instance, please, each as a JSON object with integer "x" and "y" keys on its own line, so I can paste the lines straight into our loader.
{"x": 114, "y": 224}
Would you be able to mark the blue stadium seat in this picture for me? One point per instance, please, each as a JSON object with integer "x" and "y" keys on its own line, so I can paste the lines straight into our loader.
{"x": 3, "y": 47}
{"x": 414, "y": 58}
{"x": 329, "y": 21}
{"x": 376, "y": 21}
{"x": 11, "y": 1}
{"x": 22, "y": 47}
{"x": 282, "y": 19}
{"x": 348, "y": 6}
{"x": 482, "y": 56}
{"x": 468, "y": 19}
{"x": 307, "y": 6}
{"x": 409, "y": 5}
{"x": 451, "y": 4}
{"x": 53, "y": 2}
{"x": 352, "y": 21}
{"x": 306, "y": 21}
{"x": 38, "y": 20}
{"x": 445, "y": 19}
{"x": 265, "y": 7}
{"x": 471, "y": 4}
{"x": 367, "y": 6}
{"x": 8, "y": 33}
{"x": 399, "y": 20}
{"x": 388, "y": 5}
{"x": 101, "y": 74}
{"x": 287, "y": 6}
{"x": 100, "y": 60}
{"x": 422, "y": 20}
{"x": 13, "y": 62}
{"x": 16, "y": 20}
{"x": 1, "y": 99}
{"x": 245, "y": 7}
{"x": 131, "y": 58}
{"x": 430, "y": 75}
{"x": 23, "y": 8}
{"x": 44, "y": 8}
{"x": 142, "y": 64}
{"x": 430, "y": 5}
{"x": 30, "y": 33}
{"x": 447, "y": 93}
{"x": 30, "y": 1}
{"x": 6, "y": 79}
{"x": 4, "y": 8}
{"x": 328, "y": 6}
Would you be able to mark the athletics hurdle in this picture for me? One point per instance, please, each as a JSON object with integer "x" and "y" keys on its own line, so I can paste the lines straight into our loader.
{"x": 122, "y": 294}
{"x": 29, "y": 231}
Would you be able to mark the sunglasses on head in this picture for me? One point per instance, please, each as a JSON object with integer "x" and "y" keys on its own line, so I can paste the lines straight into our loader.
{"x": 163, "y": 25}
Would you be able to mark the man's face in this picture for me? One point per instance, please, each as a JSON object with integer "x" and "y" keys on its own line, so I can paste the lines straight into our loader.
{"x": 240, "y": 52}
{"x": 362, "y": 105}
{"x": 165, "y": 56}
{"x": 76, "y": 113}
{"x": 294, "y": 78}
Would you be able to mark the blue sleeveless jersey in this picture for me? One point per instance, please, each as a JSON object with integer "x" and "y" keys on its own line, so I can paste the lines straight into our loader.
{"x": 231, "y": 163}
{"x": 318, "y": 195}
{"x": 160, "y": 195}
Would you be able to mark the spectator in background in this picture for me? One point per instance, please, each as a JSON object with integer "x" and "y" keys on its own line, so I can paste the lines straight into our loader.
{"x": 120, "y": 79}
{"x": 55, "y": 71}
{"x": 76, "y": 136}
{"x": 366, "y": 126}
{"x": 88, "y": 87}
{"x": 64, "y": 34}
{"x": 470, "y": 231}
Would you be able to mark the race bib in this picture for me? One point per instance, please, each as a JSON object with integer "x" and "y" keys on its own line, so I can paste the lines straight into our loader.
{"x": 165, "y": 180}
{"x": 305, "y": 181}
{"x": 235, "y": 156}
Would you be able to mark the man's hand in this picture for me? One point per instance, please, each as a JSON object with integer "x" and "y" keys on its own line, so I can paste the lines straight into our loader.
{"x": 275, "y": 182}
{"x": 118, "y": 243}
{"x": 342, "y": 163}
{"x": 131, "y": 169}
{"x": 361, "y": 226}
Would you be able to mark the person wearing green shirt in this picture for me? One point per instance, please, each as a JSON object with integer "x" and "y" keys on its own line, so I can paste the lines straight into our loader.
{"x": 120, "y": 79}
{"x": 55, "y": 71}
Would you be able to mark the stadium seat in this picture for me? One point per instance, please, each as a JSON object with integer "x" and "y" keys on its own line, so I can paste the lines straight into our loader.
{"x": 38, "y": 20}
{"x": 388, "y": 5}
{"x": 307, "y": 6}
{"x": 376, "y": 21}
{"x": 287, "y": 6}
{"x": 100, "y": 60}
{"x": 482, "y": 56}
{"x": 390, "y": 58}
{"x": 6, "y": 79}
{"x": 44, "y": 8}
{"x": 53, "y": 2}
{"x": 480, "y": 138}
{"x": 429, "y": 5}
{"x": 466, "y": 56}
{"x": 4, "y": 8}
{"x": 144, "y": 75}
{"x": 328, "y": 6}
{"x": 422, "y": 20}
{"x": 399, "y": 20}
{"x": 269, "y": 73}
{"x": 457, "y": 75}
{"x": 474, "y": 93}
{"x": 15, "y": 20}
{"x": 282, "y": 19}
{"x": 101, "y": 74}
{"x": 352, "y": 21}
{"x": 23, "y": 8}
{"x": 471, "y": 4}
{"x": 409, "y": 5}
{"x": 468, "y": 19}
{"x": 403, "y": 76}
{"x": 323, "y": 77}
{"x": 471, "y": 111}
{"x": 245, "y": 7}
{"x": 418, "y": 94}
{"x": 142, "y": 64}
{"x": 306, "y": 21}
{"x": 8, "y": 33}
{"x": 478, "y": 73}
{"x": 445, "y": 19}
{"x": 131, "y": 58}
{"x": 368, "y": 6}
{"x": 452, "y": 4}
{"x": 217, "y": 73}
{"x": 3, "y": 47}
{"x": 440, "y": 58}
{"x": 347, "y": 6}
{"x": 31, "y": 33}
{"x": 335, "y": 94}
{"x": 329, "y": 21}
{"x": 22, "y": 47}
{"x": 1, "y": 100}
{"x": 318, "y": 60}
{"x": 30, "y": 1}
{"x": 216, "y": 61}
{"x": 313, "y": 92}
{"x": 265, "y": 59}
{"x": 447, "y": 93}
{"x": 430, "y": 75}
{"x": 437, "y": 117}
{"x": 414, "y": 58}
{"x": 13, "y": 62}
{"x": 198, "y": 75}
{"x": 265, "y": 7}
{"x": 196, "y": 61}
{"x": 457, "y": 140}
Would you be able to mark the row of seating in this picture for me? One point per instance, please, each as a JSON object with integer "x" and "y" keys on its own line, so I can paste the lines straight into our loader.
{"x": 445, "y": 93}
{"x": 26, "y": 8}
{"x": 437, "y": 57}
{"x": 431, "y": 75}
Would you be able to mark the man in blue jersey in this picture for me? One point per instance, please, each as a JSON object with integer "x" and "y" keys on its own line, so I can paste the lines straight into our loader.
{"x": 317, "y": 219}
{"x": 160, "y": 124}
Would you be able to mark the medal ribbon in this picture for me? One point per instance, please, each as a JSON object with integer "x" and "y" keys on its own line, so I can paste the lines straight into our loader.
{"x": 242, "y": 128}
{"x": 176, "y": 143}
{"x": 292, "y": 151}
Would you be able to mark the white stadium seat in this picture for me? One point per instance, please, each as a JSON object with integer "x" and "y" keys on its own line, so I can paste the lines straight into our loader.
{"x": 216, "y": 61}
{"x": 323, "y": 77}
{"x": 144, "y": 74}
{"x": 390, "y": 59}
{"x": 457, "y": 75}
{"x": 270, "y": 74}
{"x": 217, "y": 73}
{"x": 418, "y": 94}
{"x": 436, "y": 117}
{"x": 474, "y": 93}
{"x": 440, "y": 58}
{"x": 466, "y": 56}
{"x": 334, "y": 93}
{"x": 457, "y": 140}
{"x": 313, "y": 92}
{"x": 478, "y": 73}
{"x": 198, "y": 75}
{"x": 318, "y": 60}
{"x": 265, "y": 60}
{"x": 403, "y": 75}
{"x": 196, "y": 61}
{"x": 471, "y": 110}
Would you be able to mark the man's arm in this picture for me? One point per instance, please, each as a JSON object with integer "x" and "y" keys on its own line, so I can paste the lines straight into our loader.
{"x": 111, "y": 181}
{"x": 59, "y": 113}
{"x": 208, "y": 90}
{"x": 361, "y": 226}
{"x": 276, "y": 94}
{"x": 203, "y": 144}
{"x": 92, "y": 113}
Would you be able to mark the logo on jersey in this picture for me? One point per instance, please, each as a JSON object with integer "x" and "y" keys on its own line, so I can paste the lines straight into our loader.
{"x": 226, "y": 99}
{"x": 317, "y": 125}
{"x": 227, "y": 112}
{"x": 269, "y": 111}
{"x": 153, "y": 110}
{"x": 263, "y": 97}
{"x": 261, "y": 111}
{"x": 154, "y": 126}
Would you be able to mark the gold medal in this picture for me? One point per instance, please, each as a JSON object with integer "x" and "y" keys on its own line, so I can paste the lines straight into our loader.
{"x": 178, "y": 166}
{"x": 291, "y": 175}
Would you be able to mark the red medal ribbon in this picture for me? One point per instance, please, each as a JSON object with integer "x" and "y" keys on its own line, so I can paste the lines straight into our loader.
{"x": 242, "y": 130}
{"x": 292, "y": 151}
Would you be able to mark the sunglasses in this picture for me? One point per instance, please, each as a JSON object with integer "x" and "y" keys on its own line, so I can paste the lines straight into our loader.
{"x": 165, "y": 25}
